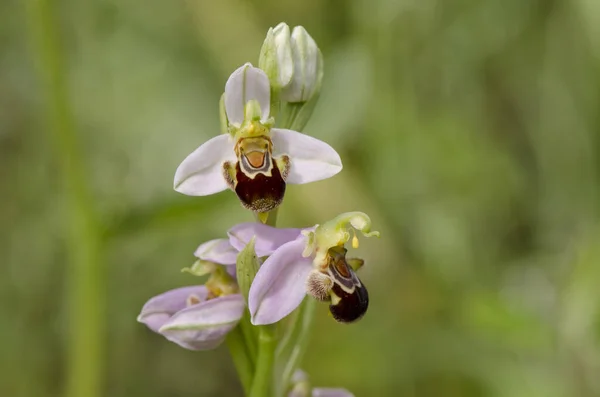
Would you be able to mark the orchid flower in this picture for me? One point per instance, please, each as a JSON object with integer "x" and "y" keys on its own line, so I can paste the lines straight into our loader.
{"x": 314, "y": 263}
{"x": 187, "y": 317}
{"x": 254, "y": 159}
{"x": 199, "y": 317}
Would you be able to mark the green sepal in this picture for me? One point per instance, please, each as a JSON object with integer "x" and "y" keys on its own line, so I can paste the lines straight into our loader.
{"x": 223, "y": 120}
{"x": 200, "y": 268}
{"x": 247, "y": 265}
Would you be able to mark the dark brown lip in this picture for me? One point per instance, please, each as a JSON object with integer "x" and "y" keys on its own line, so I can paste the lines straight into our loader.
{"x": 353, "y": 296}
{"x": 351, "y": 306}
{"x": 262, "y": 193}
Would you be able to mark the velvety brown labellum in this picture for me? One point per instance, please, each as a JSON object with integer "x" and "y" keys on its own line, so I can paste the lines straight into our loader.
{"x": 352, "y": 306}
{"x": 261, "y": 194}
{"x": 353, "y": 296}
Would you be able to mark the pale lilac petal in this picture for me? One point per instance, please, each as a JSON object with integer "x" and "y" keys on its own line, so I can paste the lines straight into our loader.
{"x": 158, "y": 310}
{"x": 279, "y": 285}
{"x": 244, "y": 84}
{"x": 205, "y": 325}
{"x": 217, "y": 251}
{"x": 201, "y": 173}
{"x": 331, "y": 392}
{"x": 268, "y": 238}
{"x": 311, "y": 159}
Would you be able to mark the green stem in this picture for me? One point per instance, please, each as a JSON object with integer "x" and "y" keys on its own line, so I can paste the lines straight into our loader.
{"x": 241, "y": 358}
{"x": 263, "y": 375}
{"x": 250, "y": 336}
{"x": 85, "y": 284}
{"x": 301, "y": 336}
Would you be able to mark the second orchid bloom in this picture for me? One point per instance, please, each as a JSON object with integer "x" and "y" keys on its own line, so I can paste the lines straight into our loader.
{"x": 254, "y": 159}
{"x": 306, "y": 261}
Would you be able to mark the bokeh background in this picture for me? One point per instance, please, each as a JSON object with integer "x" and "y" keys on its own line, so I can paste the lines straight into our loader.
{"x": 469, "y": 131}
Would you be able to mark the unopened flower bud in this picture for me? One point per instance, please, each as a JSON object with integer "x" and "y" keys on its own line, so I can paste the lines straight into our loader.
{"x": 276, "y": 56}
{"x": 308, "y": 68}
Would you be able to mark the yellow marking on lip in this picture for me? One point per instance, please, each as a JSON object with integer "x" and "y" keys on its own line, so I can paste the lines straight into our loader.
{"x": 255, "y": 158}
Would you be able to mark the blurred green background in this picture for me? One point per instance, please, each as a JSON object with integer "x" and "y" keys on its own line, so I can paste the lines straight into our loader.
{"x": 469, "y": 131}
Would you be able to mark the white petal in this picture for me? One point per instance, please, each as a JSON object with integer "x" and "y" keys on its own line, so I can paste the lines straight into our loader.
{"x": 306, "y": 61}
{"x": 201, "y": 173}
{"x": 311, "y": 159}
{"x": 244, "y": 84}
{"x": 217, "y": 251}
{"x": 280, "y": 284}
{"x": 283, "y": 52}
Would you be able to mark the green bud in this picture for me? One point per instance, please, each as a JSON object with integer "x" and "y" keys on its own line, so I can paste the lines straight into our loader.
{"x": 308, "y": 68}
{"x": 246, "y": 267}
{"x": 276, "y": 56}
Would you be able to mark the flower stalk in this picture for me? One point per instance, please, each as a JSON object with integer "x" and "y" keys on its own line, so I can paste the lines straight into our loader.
{"x": 262, "y": 383}
{"x": 242, "y": 357}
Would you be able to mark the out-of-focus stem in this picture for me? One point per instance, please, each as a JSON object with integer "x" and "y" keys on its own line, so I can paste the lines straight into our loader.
{"x": 85, "y": 284}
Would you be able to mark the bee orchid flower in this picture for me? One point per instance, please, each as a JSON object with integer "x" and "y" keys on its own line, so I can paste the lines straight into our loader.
{"x": 313, "y": 263}
{"x": 189, "y": 317}
{"x": 199, "y": 317}
{"x": 254, "y": 159}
